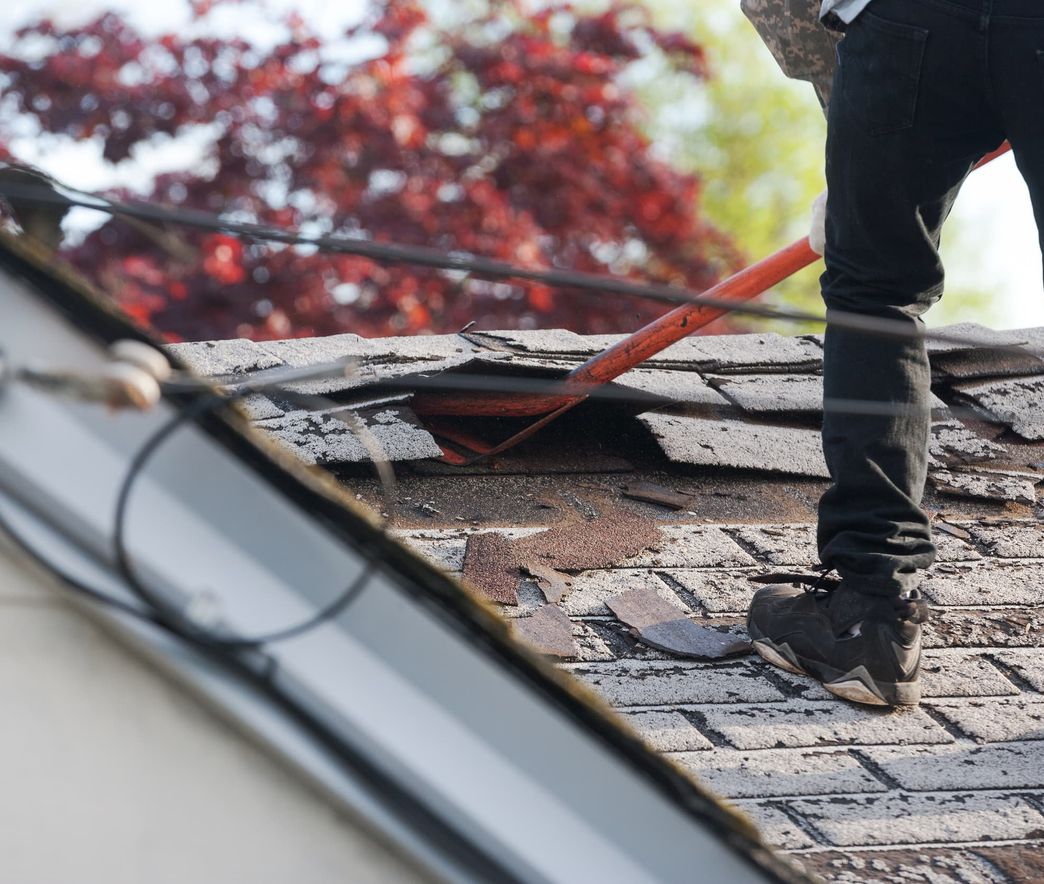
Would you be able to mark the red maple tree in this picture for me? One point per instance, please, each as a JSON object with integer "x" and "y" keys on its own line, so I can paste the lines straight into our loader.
{"x": 508, "y": 137}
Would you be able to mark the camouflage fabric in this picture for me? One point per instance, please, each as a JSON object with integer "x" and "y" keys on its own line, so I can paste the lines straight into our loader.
{"x": 804, "y": 48}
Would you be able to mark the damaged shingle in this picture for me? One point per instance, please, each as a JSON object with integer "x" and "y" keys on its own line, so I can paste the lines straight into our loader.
{"x": 490, "y": 564}
{"x": 259, "y": 407}
{"x": 548, "y": 631}
{"x": 583, "y": 546}
{"x": 953, "y": 443}
{"x": 1019, "y": 403}
{"x": 781, "y": 544}
{"x": 420, "y": 348}
{"x": 986, "y": 485}
{"x": 660, "y": 625}
{"x": 692, "y": 546}
{"x": 738, "y": 445}
{"x": 323, "y": 439}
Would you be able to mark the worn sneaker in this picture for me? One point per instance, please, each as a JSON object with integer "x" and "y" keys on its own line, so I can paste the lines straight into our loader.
{"x": 863, "y": 648}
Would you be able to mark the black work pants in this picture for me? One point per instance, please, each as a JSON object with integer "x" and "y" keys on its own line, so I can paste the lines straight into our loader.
{"x": 923, "y": 89}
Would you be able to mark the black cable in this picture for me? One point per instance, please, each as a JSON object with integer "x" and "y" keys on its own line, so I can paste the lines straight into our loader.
{"x": 75, "y": 583}
{"x": 170, "y": 614}
{"x": 487, "y": 268}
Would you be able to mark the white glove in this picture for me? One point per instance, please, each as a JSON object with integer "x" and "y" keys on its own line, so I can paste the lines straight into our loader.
{"x": 817, "y": 235}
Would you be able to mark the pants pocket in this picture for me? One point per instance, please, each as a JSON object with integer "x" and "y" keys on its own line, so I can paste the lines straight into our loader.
{"x": 880, "y": 72}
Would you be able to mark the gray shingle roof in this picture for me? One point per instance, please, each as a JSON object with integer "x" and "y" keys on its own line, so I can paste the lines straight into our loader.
{"x": 732, "y": 428}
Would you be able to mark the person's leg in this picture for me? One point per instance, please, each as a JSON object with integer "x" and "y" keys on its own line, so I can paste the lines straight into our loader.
{"x": 909, "y": 116}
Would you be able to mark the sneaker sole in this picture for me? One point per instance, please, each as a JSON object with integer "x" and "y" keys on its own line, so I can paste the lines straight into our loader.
{"x": 857, "y": 686}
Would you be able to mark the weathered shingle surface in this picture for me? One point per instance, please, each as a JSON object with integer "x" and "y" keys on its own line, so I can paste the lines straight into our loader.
{"x": 951, "y": 791}
{"x": 858, "y": 794}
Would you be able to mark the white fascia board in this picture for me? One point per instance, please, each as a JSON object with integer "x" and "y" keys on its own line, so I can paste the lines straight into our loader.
{"x": 454, "y": 728}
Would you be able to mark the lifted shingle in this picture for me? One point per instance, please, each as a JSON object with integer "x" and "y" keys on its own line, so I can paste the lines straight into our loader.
{"x": 953, "y": 443}
{"x": 323, "y": 439}
{"x": 985, "y": 485}
{"x": 738, "y": 445}
{"x": 1019, "y": 403}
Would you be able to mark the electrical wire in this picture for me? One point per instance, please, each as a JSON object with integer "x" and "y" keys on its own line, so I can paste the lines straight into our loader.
{"x": 171, "y": 614}
{"x": 157, "y": 610}
{"x": 74, "y": 583}
{"x": 487, "y": 268}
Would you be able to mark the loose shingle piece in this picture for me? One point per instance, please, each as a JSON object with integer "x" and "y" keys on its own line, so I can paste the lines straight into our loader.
{"x": 548, "y": 631}
{"x": 738, "y": 445}
{"x": 548, "y": 341}
{"x": 1019, "y": 403}
{"x": 663, "y": 626}
{"x": 773, "y": 393}
{"x": 490, "y": 565}
{"x": 1017, "y": 488}
{"x": 495, "y": 563}
{"x": 953, "y": 443}
{"x": 324, "y": 439}
{"x": 586, "y": 546}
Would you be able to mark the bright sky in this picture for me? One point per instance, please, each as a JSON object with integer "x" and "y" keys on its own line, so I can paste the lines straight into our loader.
{"x": 1002, "y": 253}
{"x": 999, "y": 254}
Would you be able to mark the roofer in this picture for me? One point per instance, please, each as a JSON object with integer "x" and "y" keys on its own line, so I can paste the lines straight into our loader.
{"x": 921, "y": 91}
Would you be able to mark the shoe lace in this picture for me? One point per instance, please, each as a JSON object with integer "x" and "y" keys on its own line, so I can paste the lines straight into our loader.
{"x": 820, "y": 583}
{"x": 913, "y": 609}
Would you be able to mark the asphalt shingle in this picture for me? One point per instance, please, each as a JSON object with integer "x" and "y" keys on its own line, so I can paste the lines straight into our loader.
{"x": 1018, "y": 402}
{"x": 898, "y": 818}
{"x": 738, "y": 445}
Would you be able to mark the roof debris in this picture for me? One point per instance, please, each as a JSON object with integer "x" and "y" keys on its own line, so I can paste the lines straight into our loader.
{"x": 662, "y": 626}
{"x": 491, "y": 565}
{"x": 547, "y": 630}
{"x": 987, "y": 485}
{"x": 583, "y": 546}
{"x": 952, "y": 443}
{"x": 553, "y": 584}
{"x": 495, "y": 563}
{"x": 1019, "y": 403}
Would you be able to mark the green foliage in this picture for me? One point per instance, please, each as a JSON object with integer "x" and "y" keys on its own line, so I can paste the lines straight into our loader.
{"x": 754, "y": 137}
{"x": 756, "y": 140}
